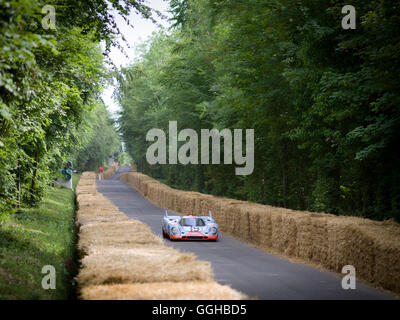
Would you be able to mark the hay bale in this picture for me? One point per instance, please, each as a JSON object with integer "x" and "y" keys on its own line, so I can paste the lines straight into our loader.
{"x": 265, "y": 227}
{"x": 197, "y": 205}
{"x": 179, "y": 205}
{"x": 356, "y": 250}
{"x": 95, "y": 210}
{"x": 193, "y": 290}
{"x": 140, "y": 265}
{"x": 169, "y": 200}
{"x": 86, "y": 189}
{"x": 228, "y": 225}
{"x": 387, "y": 252}
{"x": 101, "y": 217}
{"x": 304, "y": 237}
{"x": 254, "y": 225}
{"x": 243, "y": 222}
{"x": 110, "y": 172}
{"x": 205, "y": 204}
{"x": 235, "y": 220}
{"x": 120, "y": 234}
{"x": 163, "y": 198}
{"x": 289, "y": 233}
{"x": 87, "y": 175}
{"x": 95, "y": 214}
{"x": 124, "y": 177}
{"x": 276, "y": 231}
{"x": 186, "y": 203}
{"x": 93, "y": 201}
{"x": 387, "y": 265}
{"x": 320, "y": 240}
{"x": 219, "y": 205}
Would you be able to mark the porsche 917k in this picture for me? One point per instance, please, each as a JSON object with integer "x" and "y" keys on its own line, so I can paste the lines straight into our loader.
{"x": 189, "y": 227}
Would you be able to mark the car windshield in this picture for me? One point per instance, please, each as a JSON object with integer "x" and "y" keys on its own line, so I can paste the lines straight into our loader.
{"x": 192, "y": 222}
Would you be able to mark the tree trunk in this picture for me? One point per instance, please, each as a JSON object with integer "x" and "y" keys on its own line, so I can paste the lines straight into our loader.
{"x": 32, "y": 189}
{"x": 19, "y": 183}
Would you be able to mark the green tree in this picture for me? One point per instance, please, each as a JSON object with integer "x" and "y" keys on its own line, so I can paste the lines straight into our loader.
{"x": 49, "y": 79}
{"x": 323, "y": 100}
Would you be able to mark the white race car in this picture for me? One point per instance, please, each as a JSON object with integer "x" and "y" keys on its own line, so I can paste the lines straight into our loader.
{"x": 189, "y": 227}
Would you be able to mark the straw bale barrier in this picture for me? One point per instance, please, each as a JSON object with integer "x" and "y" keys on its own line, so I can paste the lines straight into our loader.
{"x": 193, "y": 290}
{"x": 110, "y": 171}
{"x": 325, "y": 240}
{"x": 122, "y": 259}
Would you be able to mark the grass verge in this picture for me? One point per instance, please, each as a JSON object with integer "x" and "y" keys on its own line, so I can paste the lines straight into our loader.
{"x": 37, "y": 237}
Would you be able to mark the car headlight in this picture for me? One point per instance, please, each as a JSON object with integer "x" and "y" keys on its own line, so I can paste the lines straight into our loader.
{"x": 214, "y": 230}
{"x": 175, "y": 230}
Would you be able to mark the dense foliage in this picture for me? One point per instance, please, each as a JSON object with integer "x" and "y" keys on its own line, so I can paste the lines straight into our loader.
{"x": 324, "y": 101}
{"x": 50, "y": 81}
{"x": 98, "y": 138}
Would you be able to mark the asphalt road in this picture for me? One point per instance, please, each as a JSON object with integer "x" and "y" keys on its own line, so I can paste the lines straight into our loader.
{"x": 243, "y": 267}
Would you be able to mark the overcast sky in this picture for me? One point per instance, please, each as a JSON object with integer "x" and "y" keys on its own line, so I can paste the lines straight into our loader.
{"x": 142, "y": 29}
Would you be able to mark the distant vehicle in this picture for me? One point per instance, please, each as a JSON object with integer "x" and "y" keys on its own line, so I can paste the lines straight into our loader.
{"x": 189, "y": 227}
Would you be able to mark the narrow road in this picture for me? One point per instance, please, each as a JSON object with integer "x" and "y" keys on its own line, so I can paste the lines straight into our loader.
{"x": 243, "y": 267}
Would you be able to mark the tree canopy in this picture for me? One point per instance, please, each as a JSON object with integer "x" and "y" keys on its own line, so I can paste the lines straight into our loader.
{"x": 324, "y": 101}
{"x": 50, "y": 85}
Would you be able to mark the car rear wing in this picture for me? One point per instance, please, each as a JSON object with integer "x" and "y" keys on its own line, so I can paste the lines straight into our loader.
{"x": 171, "y": 218}
{"x": 209, "y": 217}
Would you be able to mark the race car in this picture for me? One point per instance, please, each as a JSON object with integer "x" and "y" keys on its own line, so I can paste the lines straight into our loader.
{"x": 189, "y": 227}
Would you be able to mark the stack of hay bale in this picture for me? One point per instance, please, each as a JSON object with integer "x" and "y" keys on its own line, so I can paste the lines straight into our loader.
{"x": 122, "y": 259}
{"x": 329, "y": 241}
{"x": 110, "y": 171}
